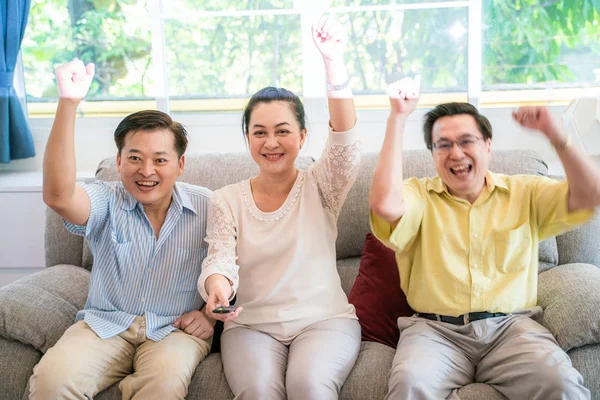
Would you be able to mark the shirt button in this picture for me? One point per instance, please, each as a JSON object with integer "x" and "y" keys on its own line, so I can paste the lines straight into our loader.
{"x": 149, "y": 270}
{"x": 475, "y": 266}
{"x": 143, "y": 299}
{"x": 475, "y": 235}
{"x": 477, "y": 294}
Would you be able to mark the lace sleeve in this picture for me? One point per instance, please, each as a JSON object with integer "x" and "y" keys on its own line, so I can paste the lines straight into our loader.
{"x": 336, "y": 170}
{"x": 221, "y": 235}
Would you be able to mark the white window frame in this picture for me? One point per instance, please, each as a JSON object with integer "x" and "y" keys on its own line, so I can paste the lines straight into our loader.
{"x": 312, "y": 84}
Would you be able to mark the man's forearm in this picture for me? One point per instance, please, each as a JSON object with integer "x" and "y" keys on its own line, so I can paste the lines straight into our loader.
{"x": 582, "y": 174}
{"x": 59, "y": 158}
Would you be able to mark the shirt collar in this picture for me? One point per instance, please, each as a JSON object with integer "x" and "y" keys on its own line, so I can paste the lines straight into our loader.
{"x": 492, "y": 181}
{"x": 183, "y": 198}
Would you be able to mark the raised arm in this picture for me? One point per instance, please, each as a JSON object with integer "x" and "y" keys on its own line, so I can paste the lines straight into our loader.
{"x": 331, "y": 39}
{"x": 59, "y": 189}
{"x": 385, "y": 197}
{"x": 582, "y": 173}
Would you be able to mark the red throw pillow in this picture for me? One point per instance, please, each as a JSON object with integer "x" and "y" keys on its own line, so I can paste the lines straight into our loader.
{"x": 377, "y": 296}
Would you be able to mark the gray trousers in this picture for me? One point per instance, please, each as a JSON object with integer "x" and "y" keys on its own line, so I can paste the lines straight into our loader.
{"x": 315, "y": 365}
{"x": 514, "y": 354}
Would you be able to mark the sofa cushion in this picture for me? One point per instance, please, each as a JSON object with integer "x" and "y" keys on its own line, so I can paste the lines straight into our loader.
{"x": 570, "y": 298}
{"x": 581, "y": 245}
{"x": 369, "y": 377}
{"x": 377, "y": 296}
{"x": 479, "y": 391}
{"x": 586, "y": 360}
{"x": 348, "y": 270}
{"x": 548, "y": 254}
{"x": 38, "y": 308}
{"x": 62, "y": 247}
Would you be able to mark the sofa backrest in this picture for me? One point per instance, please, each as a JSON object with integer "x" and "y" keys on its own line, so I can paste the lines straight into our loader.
{"x": 217, "y": 170}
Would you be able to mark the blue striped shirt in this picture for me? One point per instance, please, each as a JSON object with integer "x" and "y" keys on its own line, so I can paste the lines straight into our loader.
{"x": 134, "y": 273}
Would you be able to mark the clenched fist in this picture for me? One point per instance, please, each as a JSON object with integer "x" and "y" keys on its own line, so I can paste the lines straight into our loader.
{"x": 404, "y": 95}
{"x": 538, "y": 118}
{"x": 330, "y": 38}
{"x": 74, "y": 80}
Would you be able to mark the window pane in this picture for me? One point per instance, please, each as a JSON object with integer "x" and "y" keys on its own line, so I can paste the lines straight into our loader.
{"x": 228, "y": 5}
{"x": 349, "y": 3}
{"x": 543, "y": 44}
{"x": 233, "y": 56}
{"x": 387, "y": 45}
{"x": 113, "y": 34}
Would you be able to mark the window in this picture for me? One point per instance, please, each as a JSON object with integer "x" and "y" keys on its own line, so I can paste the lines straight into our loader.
{"x": 549, "y": 44}
{"x": 211, "y": 55}
{"x": 540, "y": 49}
{"x": 114, "y": 34}
{"x": 229, "y": 50}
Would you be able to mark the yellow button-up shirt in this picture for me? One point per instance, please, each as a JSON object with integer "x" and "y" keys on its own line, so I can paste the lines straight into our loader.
{"x": 455, "y": 257}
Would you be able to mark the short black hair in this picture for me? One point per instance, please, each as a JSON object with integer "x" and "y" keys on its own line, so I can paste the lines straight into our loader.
{"x": 271, "y": 94}
{"x": 151, "y": 120}
{"x": 450, "y": 109}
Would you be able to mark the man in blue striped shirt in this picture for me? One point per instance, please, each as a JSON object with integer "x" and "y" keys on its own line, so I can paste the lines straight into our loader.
{"x": 142, "y": 323}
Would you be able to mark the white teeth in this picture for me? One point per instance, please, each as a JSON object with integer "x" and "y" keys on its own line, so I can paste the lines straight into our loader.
{"x": 273, "y": 157}
{"x": 461, "y": 168}
{"x": 147, "y": 184}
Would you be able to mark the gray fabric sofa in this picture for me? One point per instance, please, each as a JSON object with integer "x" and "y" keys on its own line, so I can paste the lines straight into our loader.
{"x": 35, "y": 311}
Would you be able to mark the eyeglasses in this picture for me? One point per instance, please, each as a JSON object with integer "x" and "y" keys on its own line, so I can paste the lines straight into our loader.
{"x": 466, "y": 143}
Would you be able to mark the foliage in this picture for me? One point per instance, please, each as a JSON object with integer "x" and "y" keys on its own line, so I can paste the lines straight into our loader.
{"x": 550, "y": 42}
{"x": 530, "y": 41}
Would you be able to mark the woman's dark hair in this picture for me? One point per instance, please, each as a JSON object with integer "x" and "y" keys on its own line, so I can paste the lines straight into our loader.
{"x": 450, "y": 109}
{"x": 151, "y": 120}
{"x": 271, "y": 94}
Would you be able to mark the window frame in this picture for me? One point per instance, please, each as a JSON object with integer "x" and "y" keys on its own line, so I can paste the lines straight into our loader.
{"x": 313, "y": 73}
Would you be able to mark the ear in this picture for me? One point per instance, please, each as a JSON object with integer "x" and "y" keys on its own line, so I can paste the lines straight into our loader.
{"x": 181, "y": 165}
{"x": 302, "y": 137}
{"x": 488, "y": 143}
{"x": 118, "y": 161}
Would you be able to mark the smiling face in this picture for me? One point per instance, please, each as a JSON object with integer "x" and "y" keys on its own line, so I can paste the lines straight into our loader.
{"x": 463, "y": 170}
{"x": 274, "y": 137}
{"x": 149, "y": 166}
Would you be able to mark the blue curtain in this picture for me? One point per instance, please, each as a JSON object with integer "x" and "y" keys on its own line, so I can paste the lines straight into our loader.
{"x": 15, "y": 136}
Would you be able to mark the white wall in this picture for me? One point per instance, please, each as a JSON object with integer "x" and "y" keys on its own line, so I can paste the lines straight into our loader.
{"x": 22, "y": 209}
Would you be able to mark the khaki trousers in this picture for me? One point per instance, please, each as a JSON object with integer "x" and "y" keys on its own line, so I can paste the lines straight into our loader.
{"x": 514, "y": 354}
{"x": 81, "y": 364}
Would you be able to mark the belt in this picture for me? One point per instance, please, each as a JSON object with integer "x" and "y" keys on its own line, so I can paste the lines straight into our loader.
{"x": 461, "y": 319}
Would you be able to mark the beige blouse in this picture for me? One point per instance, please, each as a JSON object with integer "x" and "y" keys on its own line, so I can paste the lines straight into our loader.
{"x": 283, "y": 263}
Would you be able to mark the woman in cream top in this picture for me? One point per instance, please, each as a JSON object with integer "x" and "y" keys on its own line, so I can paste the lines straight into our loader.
{"x": 286, "y": 258}
{"x": 272, "y": 243}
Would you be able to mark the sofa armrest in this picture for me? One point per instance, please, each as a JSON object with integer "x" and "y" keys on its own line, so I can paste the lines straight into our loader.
{"x": 38, "y": 308}
{"x": 570, "y": 298}
{"x": 17, "y": 361}
{"x": 581, "y": 245}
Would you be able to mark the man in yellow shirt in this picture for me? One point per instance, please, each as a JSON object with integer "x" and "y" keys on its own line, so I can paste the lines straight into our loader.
{"x": 466, "y": 245}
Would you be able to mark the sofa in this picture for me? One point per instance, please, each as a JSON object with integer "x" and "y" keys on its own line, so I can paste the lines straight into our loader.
{"x": 35, "y": 310}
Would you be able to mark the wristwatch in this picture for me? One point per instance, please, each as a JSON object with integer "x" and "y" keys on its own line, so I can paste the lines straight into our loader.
{"x": 334, "y": 88}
